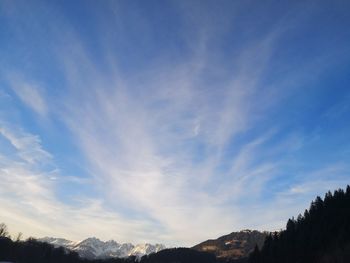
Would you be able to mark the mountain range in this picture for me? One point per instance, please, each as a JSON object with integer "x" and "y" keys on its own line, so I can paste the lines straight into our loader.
{"x": 93, "y": 248}
{"x": 232, "y": 246}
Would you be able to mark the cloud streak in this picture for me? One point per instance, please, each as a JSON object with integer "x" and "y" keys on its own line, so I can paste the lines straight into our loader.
{"x": 28, "y": 146}
{"x": 30, "y": 94}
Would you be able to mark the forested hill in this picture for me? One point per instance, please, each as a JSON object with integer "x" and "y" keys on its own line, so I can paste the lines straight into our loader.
{"x": 321, "y": 235}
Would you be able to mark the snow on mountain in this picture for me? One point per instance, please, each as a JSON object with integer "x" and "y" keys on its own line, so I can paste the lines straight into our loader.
{"x": 146, "y": 249}
{"x": 93, "y": 248}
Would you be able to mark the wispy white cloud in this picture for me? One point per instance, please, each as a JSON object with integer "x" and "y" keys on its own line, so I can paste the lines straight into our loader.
{"x": 28, "y": 146}
{"x": 30, "y": 93}
{"x": 139, "y": 140}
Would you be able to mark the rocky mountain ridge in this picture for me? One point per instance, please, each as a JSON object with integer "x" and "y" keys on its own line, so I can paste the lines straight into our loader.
{"x": 93, "y": 248}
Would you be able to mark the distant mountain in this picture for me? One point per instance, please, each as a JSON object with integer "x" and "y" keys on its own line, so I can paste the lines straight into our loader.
{"x": 236, "y": 245}
{"x": 93, "y": 248}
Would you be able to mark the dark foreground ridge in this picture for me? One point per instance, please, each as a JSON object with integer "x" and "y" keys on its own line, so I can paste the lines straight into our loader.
{"x": 320, "y": 235}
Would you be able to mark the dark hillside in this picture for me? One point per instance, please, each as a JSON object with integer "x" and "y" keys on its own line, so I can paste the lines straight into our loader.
{"x": 179, "y": 255}
{"x": 236, "y": 245}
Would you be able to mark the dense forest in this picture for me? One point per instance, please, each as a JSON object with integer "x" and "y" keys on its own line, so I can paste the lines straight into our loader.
{"x": 320, "y": 235}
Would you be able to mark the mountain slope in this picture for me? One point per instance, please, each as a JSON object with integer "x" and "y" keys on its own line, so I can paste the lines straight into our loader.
{"x": 93, "y": 248}
{"x": 233, "y": 246}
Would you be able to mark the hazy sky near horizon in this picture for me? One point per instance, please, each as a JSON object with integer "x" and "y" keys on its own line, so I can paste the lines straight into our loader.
{"x": 170, "y": 121}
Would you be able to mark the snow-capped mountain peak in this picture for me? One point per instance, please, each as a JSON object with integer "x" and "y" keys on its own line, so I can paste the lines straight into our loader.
{"x": 95, "y": 248}
{"x": 146, "y": 249}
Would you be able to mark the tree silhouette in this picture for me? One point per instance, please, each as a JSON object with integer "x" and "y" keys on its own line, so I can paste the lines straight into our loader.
{"x": 321, "y": 235}
{"x": 3, "y": 230}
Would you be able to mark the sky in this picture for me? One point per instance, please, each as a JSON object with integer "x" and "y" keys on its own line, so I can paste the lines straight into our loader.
{"x": 170, "y": 121}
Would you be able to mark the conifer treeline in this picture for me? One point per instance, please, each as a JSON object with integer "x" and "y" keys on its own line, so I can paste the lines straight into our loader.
{"x": 321, "y": 235}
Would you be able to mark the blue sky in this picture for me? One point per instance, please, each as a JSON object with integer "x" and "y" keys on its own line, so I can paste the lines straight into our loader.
{"x": 170, "y": 121}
